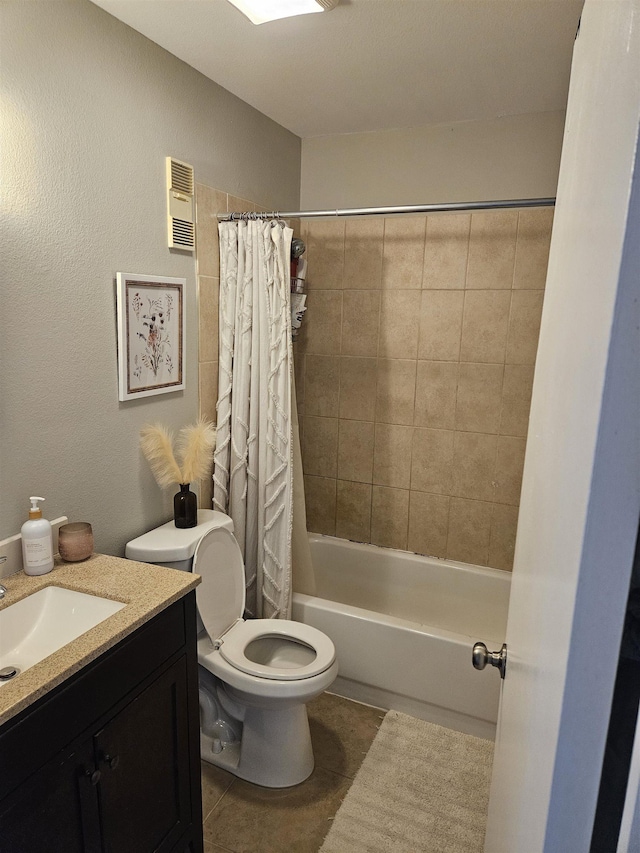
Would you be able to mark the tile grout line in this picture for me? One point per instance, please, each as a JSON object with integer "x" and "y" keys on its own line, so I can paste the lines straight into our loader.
{"x": 217, "y": 802}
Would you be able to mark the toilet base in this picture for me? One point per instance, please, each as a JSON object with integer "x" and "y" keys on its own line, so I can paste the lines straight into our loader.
{"x": 274, "y": 750}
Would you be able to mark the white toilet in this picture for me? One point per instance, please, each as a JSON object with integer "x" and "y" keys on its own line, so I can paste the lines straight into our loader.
{"x": 255, "y": 676}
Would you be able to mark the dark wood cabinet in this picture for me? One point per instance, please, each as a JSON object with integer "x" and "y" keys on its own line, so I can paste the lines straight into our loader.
{"x": 109, "y": 761}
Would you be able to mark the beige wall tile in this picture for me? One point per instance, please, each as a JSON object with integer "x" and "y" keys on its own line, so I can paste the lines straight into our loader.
{"x": 516, "y": 399}
{"x": 323, "y": 322}
{"x": 389, "y": 517}
{"x": 432, "y": 461}
{"x": 236, "y": 204}
{"x": 208, "y": 291}
{"x": 492, "y": 250}
{"x": 205, "y": 500}
{"x": 322, "y": 383}
{"x": 436, "y": 385}
{"x": 403, "y": 253}
{"x": 399, "y": 324}
{"x": 474, "y": 461}
{"x": 353, "y": 515}
{"x": 484, "y": 326}
{"x": 360, "y": 322}
{"x": 298, "y": 373}
{"x": 440, "y": 325}
{"x": 532, "y": 248}
{"x": 208, "y": 390}
{"x": 479, "y": 397}
{"x": 209, "y": 203}
{"x": 524, "y": 326}
{"x": 392, "y": 456}
{"x": 355, "y": 451}
{"x": 509, "y": 465}
{"x": 396, "y": 391}
{"x": 325, "y": 253}
{"x": 504, "y": 522}
{"x": 363, "y": 253}
{"x": 469, "y": 531}
{"x": 320, "y": 448}
{"x": 320, "y": 499}
{"x": 446, "y": 251}
{"x": 432, "y": 435}
{"x": 428, "y": 524}
{"x": 358, "y": 377}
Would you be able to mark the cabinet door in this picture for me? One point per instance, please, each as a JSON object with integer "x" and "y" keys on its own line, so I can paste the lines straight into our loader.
{"x": 143, "y": 756}
{"x": 56, "y": 809}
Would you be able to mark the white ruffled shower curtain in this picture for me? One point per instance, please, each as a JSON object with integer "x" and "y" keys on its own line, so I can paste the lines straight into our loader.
{"x": 253, "y": 463}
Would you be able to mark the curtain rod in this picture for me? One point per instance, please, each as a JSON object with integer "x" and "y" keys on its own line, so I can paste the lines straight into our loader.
{"x": 387, "y": 211}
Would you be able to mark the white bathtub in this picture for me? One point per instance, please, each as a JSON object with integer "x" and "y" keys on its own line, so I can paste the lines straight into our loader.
{"x": 403, "y": 627}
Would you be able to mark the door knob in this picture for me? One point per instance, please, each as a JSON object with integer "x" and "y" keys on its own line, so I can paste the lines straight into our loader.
{"x": 481, "y": 656}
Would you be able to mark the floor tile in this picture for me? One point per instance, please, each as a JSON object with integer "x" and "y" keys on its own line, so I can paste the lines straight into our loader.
{"x": 215, "y": 782}
{"x": 252, "y": 819}
{"x": 341, "y": 732}
{"x": 216, "y": 848}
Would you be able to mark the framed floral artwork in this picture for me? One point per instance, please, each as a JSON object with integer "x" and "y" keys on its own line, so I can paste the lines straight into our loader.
{"x": 151, "y": 335}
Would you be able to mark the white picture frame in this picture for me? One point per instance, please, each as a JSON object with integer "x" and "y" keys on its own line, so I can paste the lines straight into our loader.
{"x": 151, "y": 335}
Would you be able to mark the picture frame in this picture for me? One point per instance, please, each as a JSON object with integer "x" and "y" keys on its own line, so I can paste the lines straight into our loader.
{"x": 151, "y": 335}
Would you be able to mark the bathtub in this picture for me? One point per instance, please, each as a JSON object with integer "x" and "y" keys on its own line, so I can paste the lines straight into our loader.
{"x": 404, "y": 626}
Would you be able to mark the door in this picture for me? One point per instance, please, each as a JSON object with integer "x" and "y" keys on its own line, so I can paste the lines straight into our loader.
{"x": 580, "y": 497}
{"x": 56, "y": 809}
{"x": 143, "y": 757}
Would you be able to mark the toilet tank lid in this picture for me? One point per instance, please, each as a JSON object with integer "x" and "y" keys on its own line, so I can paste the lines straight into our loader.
{"x": 169, "y": 544}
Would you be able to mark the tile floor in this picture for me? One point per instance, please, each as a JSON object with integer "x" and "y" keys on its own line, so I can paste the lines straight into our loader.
{"x": 243, "y": 818}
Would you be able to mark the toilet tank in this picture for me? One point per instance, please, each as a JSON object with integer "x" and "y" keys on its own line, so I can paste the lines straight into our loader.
{"x": 172, "y": 546}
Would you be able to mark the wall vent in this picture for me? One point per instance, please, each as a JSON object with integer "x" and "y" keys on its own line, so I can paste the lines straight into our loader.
{"x": 181, "y": 228}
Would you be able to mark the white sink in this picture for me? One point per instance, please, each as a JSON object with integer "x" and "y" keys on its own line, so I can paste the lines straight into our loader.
{"x": 40, "y": 624}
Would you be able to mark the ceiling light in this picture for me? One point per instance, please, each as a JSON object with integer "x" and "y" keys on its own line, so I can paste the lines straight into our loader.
{"x": 260, "y": 11}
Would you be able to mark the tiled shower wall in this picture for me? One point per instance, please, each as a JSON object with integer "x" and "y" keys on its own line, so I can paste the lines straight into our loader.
{"x": 209, "y": 202}
{"x": 414, "y": 371}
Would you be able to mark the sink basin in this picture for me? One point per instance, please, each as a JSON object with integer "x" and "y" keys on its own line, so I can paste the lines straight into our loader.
{"x": 40, "y": 624}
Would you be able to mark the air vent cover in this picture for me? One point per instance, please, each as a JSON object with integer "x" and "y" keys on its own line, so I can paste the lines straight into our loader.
{"x": 181, "y": 228}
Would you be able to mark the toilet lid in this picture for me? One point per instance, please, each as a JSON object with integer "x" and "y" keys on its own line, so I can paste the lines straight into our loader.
{"x": 278, "y": 649}
{"x": 220, "y": 596}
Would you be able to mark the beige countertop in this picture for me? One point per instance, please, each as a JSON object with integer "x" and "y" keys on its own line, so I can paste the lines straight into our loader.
{"x": 146, "y": 590}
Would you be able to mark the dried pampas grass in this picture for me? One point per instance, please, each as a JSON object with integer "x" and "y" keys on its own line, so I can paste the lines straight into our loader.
{"x": 157, "y": 445}
{"x": 195, "y": 446}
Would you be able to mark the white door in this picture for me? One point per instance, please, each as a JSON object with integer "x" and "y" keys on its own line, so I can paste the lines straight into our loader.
{"x": 581, "y": 488}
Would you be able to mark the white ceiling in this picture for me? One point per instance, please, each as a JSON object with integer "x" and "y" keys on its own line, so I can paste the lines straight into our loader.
{"x": 373, "y": 65}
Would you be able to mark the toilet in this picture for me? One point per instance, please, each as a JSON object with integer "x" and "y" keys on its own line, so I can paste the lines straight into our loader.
{"x": 255, "y": 676}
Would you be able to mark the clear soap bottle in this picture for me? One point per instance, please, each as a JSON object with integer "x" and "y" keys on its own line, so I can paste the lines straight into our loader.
{"x": 37, "y": 542}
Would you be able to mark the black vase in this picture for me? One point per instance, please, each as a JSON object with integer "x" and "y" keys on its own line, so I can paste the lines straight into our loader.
{"x": 185, "y": 509}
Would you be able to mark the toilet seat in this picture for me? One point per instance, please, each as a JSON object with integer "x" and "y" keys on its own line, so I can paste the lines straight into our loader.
{"x": 320, "y": 651}
{"x": 221, "y": 598}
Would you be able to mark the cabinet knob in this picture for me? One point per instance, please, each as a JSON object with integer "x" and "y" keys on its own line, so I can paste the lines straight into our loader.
{"x": 112, "y": 761}
{"x": 94, "y": 776}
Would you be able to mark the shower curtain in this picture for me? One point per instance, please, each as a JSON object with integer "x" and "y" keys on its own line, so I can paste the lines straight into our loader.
{"x": 253, "y": 463}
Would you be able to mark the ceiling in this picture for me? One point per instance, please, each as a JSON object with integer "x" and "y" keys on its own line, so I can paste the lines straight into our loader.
{"x": 373, "y": 65}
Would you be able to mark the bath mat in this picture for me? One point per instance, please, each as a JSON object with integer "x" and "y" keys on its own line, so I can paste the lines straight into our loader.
{"x": 421, "y": 789}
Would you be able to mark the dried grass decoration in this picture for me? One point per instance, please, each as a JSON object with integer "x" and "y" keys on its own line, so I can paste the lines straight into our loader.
{"x": 195, "y": 446}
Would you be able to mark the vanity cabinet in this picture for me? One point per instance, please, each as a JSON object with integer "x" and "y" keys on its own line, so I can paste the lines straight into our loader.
{"x": 109, "y": 762}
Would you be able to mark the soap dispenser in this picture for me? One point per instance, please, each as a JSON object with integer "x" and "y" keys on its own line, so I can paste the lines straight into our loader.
{"x": 37, "y": 542}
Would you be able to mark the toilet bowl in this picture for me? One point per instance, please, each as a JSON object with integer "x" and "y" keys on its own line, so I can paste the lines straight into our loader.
{"x": 256, "y": 676}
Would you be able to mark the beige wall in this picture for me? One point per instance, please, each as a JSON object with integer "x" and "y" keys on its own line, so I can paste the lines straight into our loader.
{"x": 508, "y": 157}
{"x": 414, "y": 371}
{"x": 90, "y": 110}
